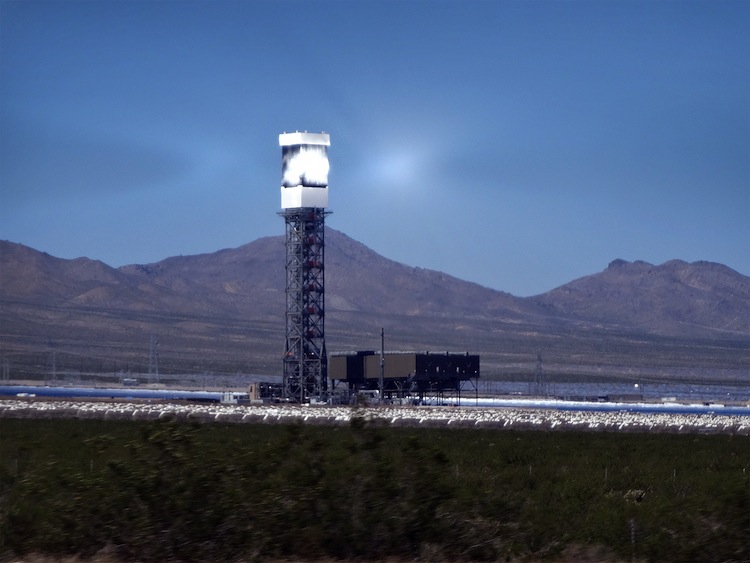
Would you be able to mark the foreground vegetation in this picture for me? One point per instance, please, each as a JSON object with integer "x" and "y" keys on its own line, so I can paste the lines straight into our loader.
{"x": 169, "y": 491}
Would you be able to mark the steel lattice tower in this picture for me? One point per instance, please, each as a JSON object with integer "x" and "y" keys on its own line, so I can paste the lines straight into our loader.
{"x": 305, "y": 366}
{"x": 540, "y": 386}
{"x": 304, "y": 196}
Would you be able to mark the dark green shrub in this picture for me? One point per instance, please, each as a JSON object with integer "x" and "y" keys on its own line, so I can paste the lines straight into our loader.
{"x": 176, "y": 491}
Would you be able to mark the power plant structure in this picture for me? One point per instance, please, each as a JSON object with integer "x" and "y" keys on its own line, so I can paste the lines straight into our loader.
{"x": 304, "y": 198}
{"x": 397, "y": 375}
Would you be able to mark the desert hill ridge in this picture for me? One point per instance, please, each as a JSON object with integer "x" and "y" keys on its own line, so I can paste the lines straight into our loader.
{"x": 231, "y": 302}
{"x": 677, "y": 293}
{"x": 248, "y": 280}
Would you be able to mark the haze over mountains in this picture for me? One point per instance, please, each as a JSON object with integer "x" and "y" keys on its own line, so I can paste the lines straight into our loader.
{"x": 224, "y": 312}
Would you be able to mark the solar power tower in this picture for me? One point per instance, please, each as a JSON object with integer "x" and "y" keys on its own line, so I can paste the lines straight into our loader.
{"x": 304, "y": 197}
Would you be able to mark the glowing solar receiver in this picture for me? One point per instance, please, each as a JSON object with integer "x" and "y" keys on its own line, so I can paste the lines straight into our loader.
{"x": 304, "y": 169}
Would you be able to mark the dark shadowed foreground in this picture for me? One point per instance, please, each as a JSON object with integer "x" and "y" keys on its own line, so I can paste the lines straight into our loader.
{"x": 178, "y": 491}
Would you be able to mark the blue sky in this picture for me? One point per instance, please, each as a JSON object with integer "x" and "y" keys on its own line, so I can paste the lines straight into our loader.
{"x": 519, "y": 145}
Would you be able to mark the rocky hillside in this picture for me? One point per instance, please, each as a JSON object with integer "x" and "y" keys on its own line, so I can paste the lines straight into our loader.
{"x": 673, "y": 298}
{"x": 224, "y": 312}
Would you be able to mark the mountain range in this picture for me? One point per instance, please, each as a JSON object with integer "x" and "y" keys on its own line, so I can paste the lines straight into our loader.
{"x": 223, "y": 312}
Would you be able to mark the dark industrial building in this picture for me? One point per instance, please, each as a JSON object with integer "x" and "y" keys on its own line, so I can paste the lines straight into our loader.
{"x": 440, "y": 375}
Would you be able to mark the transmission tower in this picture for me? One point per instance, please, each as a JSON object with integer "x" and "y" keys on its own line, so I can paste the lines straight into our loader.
{"x": 540, "y": 386}
{"x": 153, "y": 361}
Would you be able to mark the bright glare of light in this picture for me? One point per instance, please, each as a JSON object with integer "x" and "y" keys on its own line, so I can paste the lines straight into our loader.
{"x": 307, "y": 166}
{"x": 400, "y": 170}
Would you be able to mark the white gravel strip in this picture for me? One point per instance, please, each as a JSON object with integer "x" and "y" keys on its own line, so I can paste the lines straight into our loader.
{"x": 453, "y": 417}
